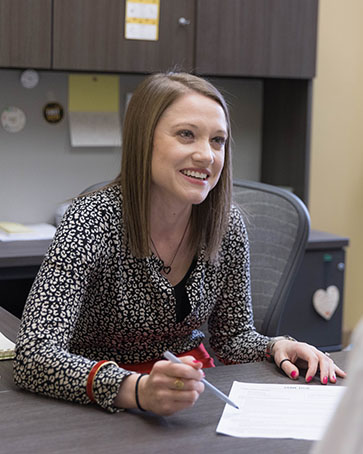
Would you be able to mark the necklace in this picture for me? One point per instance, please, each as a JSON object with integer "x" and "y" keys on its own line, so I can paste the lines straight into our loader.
{"x": 167, "y": 268}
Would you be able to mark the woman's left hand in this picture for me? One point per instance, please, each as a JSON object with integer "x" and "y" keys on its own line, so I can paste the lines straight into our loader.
{"x": 302, "y": 355}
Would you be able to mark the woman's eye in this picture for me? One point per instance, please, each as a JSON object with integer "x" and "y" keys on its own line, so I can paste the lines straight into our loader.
{"x": 186, "y": 134}
{"x": 220, "y": 141}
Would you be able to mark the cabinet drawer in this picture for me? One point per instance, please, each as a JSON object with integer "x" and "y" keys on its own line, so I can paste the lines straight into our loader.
{"x": 89, "y": 35}
{"x": 261, "y": 38}
{"x": 25, "y": 33}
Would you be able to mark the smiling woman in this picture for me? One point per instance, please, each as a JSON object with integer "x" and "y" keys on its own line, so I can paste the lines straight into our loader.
{"x": 188, "y": 153}
{"x": 137, "y": 267}
{"x": 192, "y": 112}
{"x": 187, "y": 161}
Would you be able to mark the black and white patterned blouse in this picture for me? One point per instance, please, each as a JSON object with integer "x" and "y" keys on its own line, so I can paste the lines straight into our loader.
{"x": 92, "y": 300}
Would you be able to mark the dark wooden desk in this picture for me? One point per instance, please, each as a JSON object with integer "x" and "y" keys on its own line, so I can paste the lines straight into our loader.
{"x": 34, "y": 424}
{"x": 19, "y": 264}
{"x": 23, "y": 253}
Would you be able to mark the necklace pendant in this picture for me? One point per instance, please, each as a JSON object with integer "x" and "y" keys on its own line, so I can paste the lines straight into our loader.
{"x": 164, "y": 268}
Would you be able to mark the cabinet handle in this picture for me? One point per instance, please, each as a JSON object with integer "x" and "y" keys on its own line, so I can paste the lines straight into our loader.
{"x": 341, "y": 266}
{"x": 183, "y": 22}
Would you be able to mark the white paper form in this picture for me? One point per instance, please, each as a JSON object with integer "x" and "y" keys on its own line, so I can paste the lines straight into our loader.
{"x": 279, "y": 411}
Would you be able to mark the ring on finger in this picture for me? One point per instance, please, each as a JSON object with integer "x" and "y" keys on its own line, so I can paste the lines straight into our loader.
{"x": 179, "y": 384}
{"x": 327, "y": 354}
{"x": 282, "y": 362}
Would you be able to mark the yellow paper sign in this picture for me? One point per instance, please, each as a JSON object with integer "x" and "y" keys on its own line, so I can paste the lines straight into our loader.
{"x": 94, "y": 118}
{"x": 142, "y": 19}
{"x": 93, "y": 93}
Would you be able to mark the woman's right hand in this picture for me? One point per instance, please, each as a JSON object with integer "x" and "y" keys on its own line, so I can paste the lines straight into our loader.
{"x": 167, "y": 389}
{"x": 171, "y": 387}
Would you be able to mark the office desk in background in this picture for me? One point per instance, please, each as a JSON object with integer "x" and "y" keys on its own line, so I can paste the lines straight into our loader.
{"x": 39, "y": 425}
{"x": 19, "y": 264}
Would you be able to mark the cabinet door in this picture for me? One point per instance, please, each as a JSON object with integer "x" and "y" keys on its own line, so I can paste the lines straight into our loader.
{"x": 263, "y": 38}
{"x": 89, "y": 35}
{"x": 25, "y": 33}
{"x": 299, "y": 317}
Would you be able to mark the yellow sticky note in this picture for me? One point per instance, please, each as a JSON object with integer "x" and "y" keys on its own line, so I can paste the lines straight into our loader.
{"x": 93, "y": 93}
{"x": 14, "y": 227}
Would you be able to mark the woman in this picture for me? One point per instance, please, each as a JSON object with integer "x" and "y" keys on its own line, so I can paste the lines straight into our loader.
{"x": 137, "y": 267}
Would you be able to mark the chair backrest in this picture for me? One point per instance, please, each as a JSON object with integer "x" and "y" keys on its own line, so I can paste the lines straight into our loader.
{"x": 62, "y": 208}
{"x": 278, "y": 225}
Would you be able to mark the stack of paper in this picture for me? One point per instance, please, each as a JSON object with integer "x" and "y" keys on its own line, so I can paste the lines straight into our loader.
{"x": 12, "y": 231}
{"x": 7, "y": 348}
{"x": 24, "y": 240}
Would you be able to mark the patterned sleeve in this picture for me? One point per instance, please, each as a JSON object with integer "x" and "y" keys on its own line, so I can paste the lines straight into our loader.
{"x": 233, "y": 335}
{"x": 44, "y": 363}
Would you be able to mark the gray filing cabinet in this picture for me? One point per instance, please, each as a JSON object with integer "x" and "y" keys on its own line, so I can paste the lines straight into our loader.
{"x": 314, "y": 308}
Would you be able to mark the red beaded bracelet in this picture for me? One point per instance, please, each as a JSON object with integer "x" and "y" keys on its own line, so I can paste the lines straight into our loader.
{"x": 92, "y": 375}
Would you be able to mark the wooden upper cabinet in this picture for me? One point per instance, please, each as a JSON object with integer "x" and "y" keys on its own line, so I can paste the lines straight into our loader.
{"x": 90, "y": 35}
{"x": 25, "y": 33}
{"x": 259, "y": 38}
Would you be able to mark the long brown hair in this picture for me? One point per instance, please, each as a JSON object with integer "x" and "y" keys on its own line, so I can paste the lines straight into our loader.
{"x": 149, "y": 101}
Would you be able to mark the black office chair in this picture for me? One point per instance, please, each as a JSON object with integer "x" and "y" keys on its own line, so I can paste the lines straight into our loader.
{"x": 62, "y": 208}
{"x": 278, "y": 225}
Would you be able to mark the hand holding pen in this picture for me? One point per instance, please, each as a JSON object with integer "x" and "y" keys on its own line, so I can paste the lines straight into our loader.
{"x": 213, "y": 389}
{"x": 169, "y": 387}
{"x": 174, "y": 385}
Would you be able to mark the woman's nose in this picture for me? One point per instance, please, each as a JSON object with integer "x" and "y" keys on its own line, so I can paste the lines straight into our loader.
{"x": 204, "y": 153}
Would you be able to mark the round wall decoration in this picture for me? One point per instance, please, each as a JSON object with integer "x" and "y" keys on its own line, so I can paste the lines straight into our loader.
{"x": 13, "y": 119}
{"x": 53, "y": 112}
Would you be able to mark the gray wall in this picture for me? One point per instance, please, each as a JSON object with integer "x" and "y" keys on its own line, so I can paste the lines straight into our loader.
{"x": 39, "y": 169}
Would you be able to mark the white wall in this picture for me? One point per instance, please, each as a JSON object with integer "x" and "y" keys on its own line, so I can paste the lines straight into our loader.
{"x": 39, "y": 169}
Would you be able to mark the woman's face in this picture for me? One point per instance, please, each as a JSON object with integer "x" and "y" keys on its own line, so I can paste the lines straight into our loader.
{"x": 188, "y": 150}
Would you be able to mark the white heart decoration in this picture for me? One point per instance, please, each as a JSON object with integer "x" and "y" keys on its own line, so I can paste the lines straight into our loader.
{"x": 325, "y": 302}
